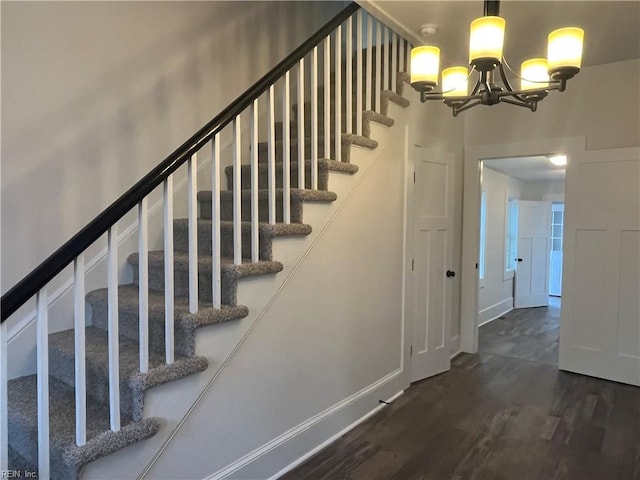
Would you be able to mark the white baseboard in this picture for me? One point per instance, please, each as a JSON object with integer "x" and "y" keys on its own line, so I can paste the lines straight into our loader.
{"x": 454, "y": 346}
{"x": 494, "y": 311}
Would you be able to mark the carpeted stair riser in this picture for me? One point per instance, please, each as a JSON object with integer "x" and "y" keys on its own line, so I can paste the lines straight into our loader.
{"x": 346, "y": 141}
{"x": 185, "y": 323}
{"x": 229, "y": 275}
{"x": 266, "y": 233}
{"x": 66, "y": 458}
{"x": 132, "y": 383}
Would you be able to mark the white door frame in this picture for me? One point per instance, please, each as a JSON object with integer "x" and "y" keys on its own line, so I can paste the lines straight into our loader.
{"x": 473, "y": 155}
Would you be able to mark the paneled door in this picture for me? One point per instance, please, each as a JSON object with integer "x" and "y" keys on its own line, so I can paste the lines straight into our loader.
{"x": 600, "y": 323}
{"x": 432, "y": 274}
{"x": 532, "y": 263}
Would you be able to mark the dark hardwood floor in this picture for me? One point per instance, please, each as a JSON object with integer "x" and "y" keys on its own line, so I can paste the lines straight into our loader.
{"x": 496, "y": 416}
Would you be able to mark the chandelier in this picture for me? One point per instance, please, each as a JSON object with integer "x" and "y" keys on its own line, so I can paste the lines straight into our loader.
{"x": 537, "y": 75}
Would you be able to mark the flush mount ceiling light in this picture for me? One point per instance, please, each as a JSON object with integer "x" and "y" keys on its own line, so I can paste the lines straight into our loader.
{"x": 537, "y": 76}
{"x": 558, "y": 160}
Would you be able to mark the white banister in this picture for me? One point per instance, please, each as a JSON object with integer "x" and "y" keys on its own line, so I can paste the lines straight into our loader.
{"x": 301, "y": 133}
{"x": 408, "y": 47}
{"x": 378, "y": 82}
{"x": 369, "y": 66}
{"x": 401, "y": 51}
{"x": 42, "y": 349}
{"x": 394, "y": 60}
{"x": 216, "y": 281}
{"x": 338, "y": 76}
{"x": 255, "y": 236}
{"x": 385, "y": 65}
{"x": 359, "y": 72}
{"x": 4, "y": 403}
{"x": 192, "y": 215}
{"x": 168, "y": 269}
{"x": 349, "y": 76}
{"x": 286, "y": 151}
{"x": 271, "y": 145}
{"x": 314, "y": 118}
{"x": 237, "y": 192}
{"x": 143, "y": 284}
{"x": 113, "y": 328}
{"x": 80, "y": 354}
{"x": 327, "y": 97}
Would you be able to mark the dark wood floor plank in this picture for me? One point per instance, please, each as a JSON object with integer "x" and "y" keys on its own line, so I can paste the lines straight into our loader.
{"x": 505, "y": 413}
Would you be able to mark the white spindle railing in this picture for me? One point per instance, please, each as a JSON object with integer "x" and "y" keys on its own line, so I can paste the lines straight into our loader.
{"x": 255, "y": 234}
{"x": 169, "y": 289}
{"x": 216, "y": 267}
{"x": 392, "y": 54}
{"x": 314, "y": 118}
{"x": 143, "y": 284}
{"x": 286, "y": 151}
{"x": 42, "y": 354}
{"x": 113, "y": 328}
{"x": 80, "y": 354}
{"x": 300, "y": 126}
{"x": 192, "y": 219}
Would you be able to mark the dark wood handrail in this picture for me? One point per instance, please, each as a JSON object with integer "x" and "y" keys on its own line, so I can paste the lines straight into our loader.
{"x": 26, "y": 288}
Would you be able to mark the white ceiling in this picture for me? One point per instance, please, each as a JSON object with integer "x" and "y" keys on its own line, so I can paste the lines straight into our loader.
{"x": 527, "y": 169}
{"x": 612, "y": 28}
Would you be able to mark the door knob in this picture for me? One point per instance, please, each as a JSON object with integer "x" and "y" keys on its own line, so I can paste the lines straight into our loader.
{"x": 451, "y": 274}
{"x": 518, "y": 259}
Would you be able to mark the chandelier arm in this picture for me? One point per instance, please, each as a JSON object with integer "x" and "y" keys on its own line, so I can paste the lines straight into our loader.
{"x": 465, "y": 106}
{"x": 511, "y": 91}
{"x": 529, "y": 105}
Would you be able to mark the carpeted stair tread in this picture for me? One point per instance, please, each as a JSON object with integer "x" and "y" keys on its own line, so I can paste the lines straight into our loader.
{"x": 186, "y": 323}
{"x": 132, "y": 382}
{"x": 387, "y": 96}
{"x": 302, "y": 194}
{"x": 17, "y": 463}
{"x": 66, "y": 457}
{"x": 371, "y": 116}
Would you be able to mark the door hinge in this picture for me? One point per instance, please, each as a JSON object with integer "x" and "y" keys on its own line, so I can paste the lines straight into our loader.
{"x": 414, "y": 176}
{"x": 411, "y": 350}
{"x": 412, "y": 264}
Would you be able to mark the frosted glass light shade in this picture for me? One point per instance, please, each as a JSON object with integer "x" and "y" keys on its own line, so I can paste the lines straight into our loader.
{"x": 558, "y": 160}
{"x": 454, "y": 81}
{"x": 564, "y": 49}
{"x": 425, "y": 66}
{"x": 534, "y": 74}
{"x": 486, "y": 39}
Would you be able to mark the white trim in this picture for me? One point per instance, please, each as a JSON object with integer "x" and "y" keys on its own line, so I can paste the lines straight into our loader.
{"x": 306, "y": 425}
{"x": 454, "y": 346}
{"x": 373, "y": 7}
{"x": 495, "y": 311}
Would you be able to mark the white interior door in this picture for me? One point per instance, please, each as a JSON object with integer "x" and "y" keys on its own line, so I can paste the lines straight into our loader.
{"x": 532, "y": 267}
{"x": 432, "y": 246}
{"x": 600, "y": 326}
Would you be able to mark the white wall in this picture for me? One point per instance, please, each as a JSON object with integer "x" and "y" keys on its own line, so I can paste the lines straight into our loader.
{"x": 94, "y": 94}
{"x": 541, "y": 190}
{"x": 495, "y": 293}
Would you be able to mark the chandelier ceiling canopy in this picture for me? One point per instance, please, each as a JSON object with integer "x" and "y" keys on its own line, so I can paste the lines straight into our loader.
{"x": 537, "y": 76}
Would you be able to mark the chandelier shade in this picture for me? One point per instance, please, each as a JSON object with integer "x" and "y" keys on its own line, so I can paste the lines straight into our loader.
{"x": 537, "y": 77}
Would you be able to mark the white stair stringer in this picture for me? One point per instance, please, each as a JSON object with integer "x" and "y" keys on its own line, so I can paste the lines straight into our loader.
{"x": 182, "y": 405}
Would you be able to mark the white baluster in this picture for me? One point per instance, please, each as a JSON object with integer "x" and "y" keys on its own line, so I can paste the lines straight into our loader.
{"x": 143, "y": 284}
{"x": 113, "y": 328}
{"x": 192, "y": 206}
{"x": 401, "y": 50}
{"x": 394, "y": 60}
{"x": 237, "y": 192}
{"x": 4, "y": 403}
{"x": 314, "y": 118}
{"x": 79, "y": 340}
{"x": 385, "y": 68}
{"x": 42, "y": 349}
{"x": 409, "y": 47}
{"x": 301, "y": 134}
{"x": 359, "y": 73}
{"x": 271, "y": 145}
{"x": 368, "y": 90}
{"x": 349, "y": 75}
{"x": 338, "y": 75}
{"x": 327, "y": 97}
{"x": 216, "y": 281}
{"x": 255, "y": 236}
{"x": 286, "y": 152}
{"x": 168, "y": 269}
{"x": 378, "y": 83}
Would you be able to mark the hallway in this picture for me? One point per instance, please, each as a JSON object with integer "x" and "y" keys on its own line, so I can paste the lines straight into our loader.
{"x": 504, "y": 413}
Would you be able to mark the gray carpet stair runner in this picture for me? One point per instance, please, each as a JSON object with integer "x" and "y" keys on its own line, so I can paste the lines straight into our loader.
{"x": 67, "y": 459}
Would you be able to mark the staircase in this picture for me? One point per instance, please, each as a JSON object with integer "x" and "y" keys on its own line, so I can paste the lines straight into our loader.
{"x": 102, "y": 436}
